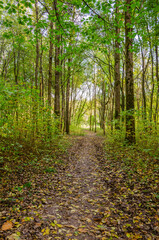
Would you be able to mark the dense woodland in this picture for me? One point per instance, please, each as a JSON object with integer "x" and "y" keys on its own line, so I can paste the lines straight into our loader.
{"x": 65, "y": 64}
{"x": 79, "y": 119}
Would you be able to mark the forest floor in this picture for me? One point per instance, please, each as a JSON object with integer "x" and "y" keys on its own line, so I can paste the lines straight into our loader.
{"x": 88, "y": 192}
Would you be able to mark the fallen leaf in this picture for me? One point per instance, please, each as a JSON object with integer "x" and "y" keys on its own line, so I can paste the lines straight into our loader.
{"x": 7, "y": 225}
{"x": 70, "y": 226}
{"x": 46, "y": 231}
{"x": 82, "y": 230}
{"x": 37, "y": 225}
{"x": 13, "y": 237}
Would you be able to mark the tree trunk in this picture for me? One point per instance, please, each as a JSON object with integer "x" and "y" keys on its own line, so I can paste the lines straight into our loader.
{"x": 152, "y": 76}
{"x": 143, "y": 85}
{"x": 63, "y": 93}
{"x": 41, "y": 76}
{"x": 50, "y": 63}
{"x": 130, "y": 120}
{"x": 37, "y": 45}
{"x": 68, "y": 98}
{"x": 117, "y": 70}
{"x": 103, "y": 112}
{"x": 95, "y": 102}
{"x": 123, "y": 96}
{"x": 16, "y": 75}
{"x": 112, "y": 111}
{"x": 157, "y": 78}
{"x": 57, "y": 78}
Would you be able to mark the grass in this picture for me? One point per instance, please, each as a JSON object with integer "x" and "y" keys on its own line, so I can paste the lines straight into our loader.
{"x": 77, "y": 131}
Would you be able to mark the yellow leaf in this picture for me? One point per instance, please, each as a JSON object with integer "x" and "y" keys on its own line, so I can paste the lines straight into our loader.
{"x": 53, "y": 224}
{"x": 46, "y": 231}
{"x": 59, "y": 225}
{"x": 68, "y": 235}
{"x": 128, "y": 235}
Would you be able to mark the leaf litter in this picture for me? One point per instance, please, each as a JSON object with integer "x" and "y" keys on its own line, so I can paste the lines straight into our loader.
{"x": 89, "y": 196}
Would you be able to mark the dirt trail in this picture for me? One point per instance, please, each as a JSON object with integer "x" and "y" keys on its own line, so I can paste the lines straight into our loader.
{"x": 89, "y": 198}
{"x": 80, "y": 198}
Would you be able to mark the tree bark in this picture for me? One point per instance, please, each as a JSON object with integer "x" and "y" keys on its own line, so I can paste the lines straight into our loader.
{"x": 130, "y": 120}
{"x": 50, "y": 63}
{"x": 103, "y": 112}
{"x": 68, "y": 98}
{"x": 117, "y": 70}
{"x": 95, "y": 102}
{"x": 123, "y": 95}
{"x": 152, "y": 76}
{"x": 143, "y": 85}
{"x": 157, "y": 78}
{"x": 37, "y": 45}
{"x": 41, "y": 76}
{"x": 63, "y": 107}
{"x": 57, "y": 76}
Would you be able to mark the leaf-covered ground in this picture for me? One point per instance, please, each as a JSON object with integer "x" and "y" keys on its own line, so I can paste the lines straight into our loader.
{"x": 86, "y": 193}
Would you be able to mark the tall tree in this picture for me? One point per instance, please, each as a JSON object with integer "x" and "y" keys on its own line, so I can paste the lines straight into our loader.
{"x": 57, "y": 65}
{"x": 37, "y": 44}
{"x": 130, "y": 119}
{"x": 68, "y": 98}
{"x": 117, "y": 66}
{"x": 50, "y": 63}
{"x": 95, "y": 99}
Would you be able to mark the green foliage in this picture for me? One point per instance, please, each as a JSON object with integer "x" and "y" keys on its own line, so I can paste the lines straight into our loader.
{"x": 18, "y": 107}
{"x": 50, "y": 170}
{"x": 77, "y": 130}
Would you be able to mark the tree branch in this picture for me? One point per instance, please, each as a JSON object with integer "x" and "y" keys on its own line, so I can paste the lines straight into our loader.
{"x": 93, "y": 11}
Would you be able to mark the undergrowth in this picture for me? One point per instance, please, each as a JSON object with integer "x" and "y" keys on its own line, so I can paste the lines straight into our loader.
{"x": 21, "y": 163}
{"x": 77, "y": 131}
{"x": 138, "y": 161}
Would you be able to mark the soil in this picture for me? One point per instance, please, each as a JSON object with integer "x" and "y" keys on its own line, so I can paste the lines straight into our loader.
{"x": 87, "y": 199}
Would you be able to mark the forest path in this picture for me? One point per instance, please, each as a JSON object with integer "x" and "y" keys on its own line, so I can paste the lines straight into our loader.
{"x": 90, "y": 197}
{"x": 80, "y": 199}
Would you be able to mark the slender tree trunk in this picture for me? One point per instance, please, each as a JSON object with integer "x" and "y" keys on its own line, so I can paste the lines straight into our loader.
{"x": 90, "y": 112}
{"x": 143, "y": 85}
{"x": 41, "y": 76}
{"x": 63, "y": 98}
{"x": 72, "y": 90}
{"x": 50, "y": 63}
{"x": 103, "y": 112}
{"x": 57, "y": 71}
{"x": 95, "y": 102}
{"x": 37, "y": 45}
{"x": 157, "y": 78}
{"x": 123, "y": 96}
{"x": 62, "y": 92}
{"x": 153, "y": 85}
{"x": 90, "y": 116}
{"x": 130, "y": 120}
{"x": 112, "y": 112}
{"x": 24, "y": 73}
{"x": 68, "y": 98}
{"x": 152, "y": 75}
{"x": 16, "y": 65}
{"x": 16, "y": 76}
{"x": 117, "y": 70}
{"x": 57, "y": 78}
